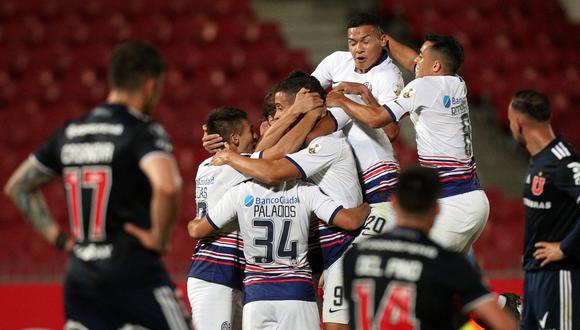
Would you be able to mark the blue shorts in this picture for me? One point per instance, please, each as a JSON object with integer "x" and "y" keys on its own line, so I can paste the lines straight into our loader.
{"x": 551, "y": 300}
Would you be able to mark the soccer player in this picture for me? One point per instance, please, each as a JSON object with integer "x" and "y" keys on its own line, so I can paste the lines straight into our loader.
{"x": 437, "y": 104}
{"x": 274, "y": 223}
{"x": 552, "y": 217}
{"x": 328, "y": 162}
{"x": 216, "y": 271}
{"x": 404, "y": 280}
{"x": 123, "y": 191}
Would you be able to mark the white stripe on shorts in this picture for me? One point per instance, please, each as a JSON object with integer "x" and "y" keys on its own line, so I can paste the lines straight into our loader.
{"x": 565, "y": 300}
{"x": 166, "y": 299}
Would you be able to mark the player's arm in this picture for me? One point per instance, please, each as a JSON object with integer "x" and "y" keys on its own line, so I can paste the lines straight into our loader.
{"x": 217, "y": 217}
{"x": 200, "y": 228}
{"x": 351, "y": 219}
{"x": 568, "y": 181}
{"x": 294, "y": 139}
{"x": 325, "y": 126}
{"x": 161, "y": 170}
{"x": 403, "y": 54}
{"x": 372, "y": 116}
{"x": 492, "y": 317}
{"x": 304, "y": 102}
{"x": 23, "y": 188}
{"x": 391, "y": 129}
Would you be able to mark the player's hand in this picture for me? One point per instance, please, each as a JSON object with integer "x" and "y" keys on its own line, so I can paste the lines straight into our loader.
{"x": 351, "y": 88}
{"x": 264, "y": 125}
{"x": 334, "y": 99}
{"x": 211, "y": 142}
{"x": 548, "y": 252}
{"x": 148, "y": 238}
{"x": 306, "y": 101}
{"x": 223, "y": 156}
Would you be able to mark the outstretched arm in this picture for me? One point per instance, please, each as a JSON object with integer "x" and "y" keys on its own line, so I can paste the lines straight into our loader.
{"x": 403, "y": 54}
{"x": 352, "y": 219}
{"x": 269, "y": 171}
{"x": 199, "y": 228}
{"x": 23, "y": 188}
{"x": 372, "y": 116}
{"x": 294, "y": 139}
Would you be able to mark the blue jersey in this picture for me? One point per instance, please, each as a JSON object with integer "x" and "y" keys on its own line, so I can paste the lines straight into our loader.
{"x": 551, "y": 197}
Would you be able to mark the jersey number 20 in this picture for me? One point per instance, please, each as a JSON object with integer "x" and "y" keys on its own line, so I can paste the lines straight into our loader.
{"x": 396, "y": 309}
{"x": 97, "y": 181}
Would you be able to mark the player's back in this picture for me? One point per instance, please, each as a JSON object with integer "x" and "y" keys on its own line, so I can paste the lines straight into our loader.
{"x": 274, "y": 224}
{"x": 443, "y": 129}
{"x": 217, "y": 258}
{"x": 404, "y": 273}
{"x": 98, "y": 156}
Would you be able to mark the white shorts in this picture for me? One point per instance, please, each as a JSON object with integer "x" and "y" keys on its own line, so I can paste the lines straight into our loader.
{"x": 461, "y": 220}
{"x": 380, "y": 220}
{"x": 214, "y": 306}
{"x": 334, "y": 304}
{"x": 281, "y": 314}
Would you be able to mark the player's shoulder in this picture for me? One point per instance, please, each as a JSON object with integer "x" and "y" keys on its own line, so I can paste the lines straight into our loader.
{"x": 563, "y": 152}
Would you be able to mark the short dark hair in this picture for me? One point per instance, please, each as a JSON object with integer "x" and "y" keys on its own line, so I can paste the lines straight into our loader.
{"x": 297, "y": 80}
{"x": 449, "y": 48}
{"x": 418, "y": 190}
{"x": 533, "y": 104}
{"x": 269, "y": 106}
{"x": 225, "y": 121}
{"x": 361, "y": 19}
{"x": 132, "y": 62}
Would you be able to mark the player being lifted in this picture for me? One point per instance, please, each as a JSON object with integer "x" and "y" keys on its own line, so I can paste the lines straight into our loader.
{"x": 123, "y": 191}
{"x": 437, "y": 104}
{"x": 274, "y": 224}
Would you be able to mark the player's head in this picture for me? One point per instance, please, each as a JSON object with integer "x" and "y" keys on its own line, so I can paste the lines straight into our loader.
{"x": 137, "y": 69}
{"x": 527, "y": 111}
{"x": 366, "y": 40}
{"x": 415, "y": 201}
{"x": 269, "y": 107}
{"x": 285, "y": 92}
{"x": 439, "y": 55}
{"x": 233, "y": 126}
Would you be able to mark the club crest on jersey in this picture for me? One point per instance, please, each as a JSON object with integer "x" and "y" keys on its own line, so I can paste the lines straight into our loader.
{"x": 538, "y": 185}
{"x": 249, "y": 201}
{"x": 446, "y": 101}
{"x": 397, "y": 89}
{"x": 369, "y": 86}
{"x": 314, "y": 148}
{"x": 408, "y": 93}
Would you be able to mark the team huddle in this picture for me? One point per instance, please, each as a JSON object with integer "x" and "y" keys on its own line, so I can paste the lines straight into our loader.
{"x": 317, "y": 202}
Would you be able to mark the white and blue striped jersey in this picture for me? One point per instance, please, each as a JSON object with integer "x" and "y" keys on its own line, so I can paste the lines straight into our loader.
{"x": 438, "y": 108}
{"x": 376, "y": 162}
{"x": 274, "y": 223}
{"x": 329, "y": 163}
{"x": 217, "y": 258}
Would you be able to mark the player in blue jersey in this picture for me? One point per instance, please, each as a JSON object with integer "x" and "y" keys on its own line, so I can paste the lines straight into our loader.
{"x": 552, "y": 217}
{"x": 123, "y": 191}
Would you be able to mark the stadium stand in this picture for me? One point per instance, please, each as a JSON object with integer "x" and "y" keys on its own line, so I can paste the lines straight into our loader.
{"x": 53, "y": 67}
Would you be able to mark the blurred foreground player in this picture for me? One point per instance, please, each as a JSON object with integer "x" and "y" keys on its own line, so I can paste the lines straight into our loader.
{"x": 404, "y": 280}
{"x": 123, "y": 191}
{"x": 552, "y": 235}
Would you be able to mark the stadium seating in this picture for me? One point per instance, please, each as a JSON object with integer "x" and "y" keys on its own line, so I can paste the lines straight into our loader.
{"x": 508, "y": 46}
{"x": 53, "y": 67}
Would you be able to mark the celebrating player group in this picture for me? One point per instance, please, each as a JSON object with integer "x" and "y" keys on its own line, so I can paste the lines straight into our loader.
{"x": 316, "y": 203}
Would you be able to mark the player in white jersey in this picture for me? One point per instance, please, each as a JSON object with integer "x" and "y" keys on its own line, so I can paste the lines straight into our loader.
{"x": 274, "y": 224}
{"x": 366, "y": 63}
{"x": 216, "y": 270}
{"x": 437, "y": 104}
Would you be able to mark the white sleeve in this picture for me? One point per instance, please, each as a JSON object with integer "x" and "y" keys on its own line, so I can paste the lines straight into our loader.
{"x": 415, "y": 95}
{"x": 390, "y": 88}
{"x": 323, "y": 71}
{"x": 340, "y": 117}
{"x": 317, "y": 156}
{"x": 225, "y": 211}
{"x": 319, "y": 203}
